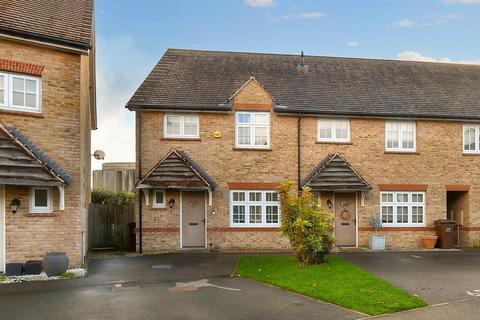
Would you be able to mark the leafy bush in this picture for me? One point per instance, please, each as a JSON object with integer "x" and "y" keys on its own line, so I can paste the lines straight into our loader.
{"x": 308, "y": 227}
{"x": 109, "y": 197}
{"x": 67, "y": 275}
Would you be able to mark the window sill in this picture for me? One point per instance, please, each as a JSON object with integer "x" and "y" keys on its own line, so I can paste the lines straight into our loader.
{"x": 402, "y": 152}
{"x": 251, "y": 149}
{"x": 22, "y": 113}
{"x": 181, "y": 139}
{"x": 42, "y": 214}
{"x": 334, "y": 142}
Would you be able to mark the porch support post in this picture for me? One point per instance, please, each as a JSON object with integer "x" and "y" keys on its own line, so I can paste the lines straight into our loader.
{"x": 147, "y": 198}
{"x": 210, "y": 197}
{"x": 362, "y": 198}
{"x": 61, "y": 196}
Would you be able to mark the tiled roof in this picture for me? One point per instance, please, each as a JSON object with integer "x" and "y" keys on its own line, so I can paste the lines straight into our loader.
{"x": 204, "y": 80}
{"x": 23, "y": 161}
{"x": 68, "y": 21}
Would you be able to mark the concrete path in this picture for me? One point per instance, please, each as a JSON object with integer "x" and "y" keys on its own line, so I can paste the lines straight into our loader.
{"x": 141, "y": 288}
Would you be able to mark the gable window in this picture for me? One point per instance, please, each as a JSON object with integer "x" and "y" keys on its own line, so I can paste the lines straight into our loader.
{"x": 19, "y": 92}
{"x": 400, "y": 136}
{"x": 471, "y": 138}
{"x": 254, "y": 208}
{"x": 252, "y": 129}
{"x": 402, "y": 208}
{"x": 40, "y": 200}
{"x": 333, "y": 130}
{"x": 159, "y": 199}
{"x": 181, "y": 126}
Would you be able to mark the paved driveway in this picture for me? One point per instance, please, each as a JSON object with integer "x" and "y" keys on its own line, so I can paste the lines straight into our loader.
{"x": 146, "y": 293}
{"x": 438, "y": 277}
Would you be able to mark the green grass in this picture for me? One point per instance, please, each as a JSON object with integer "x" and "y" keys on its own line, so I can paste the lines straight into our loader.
{"x": 67, "y": 275}
{"x": 2, "y": 278}
{"x": 339, "y": 282}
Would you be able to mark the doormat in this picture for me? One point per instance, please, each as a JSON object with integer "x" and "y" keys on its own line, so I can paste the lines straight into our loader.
{"x": 162, "y": 266}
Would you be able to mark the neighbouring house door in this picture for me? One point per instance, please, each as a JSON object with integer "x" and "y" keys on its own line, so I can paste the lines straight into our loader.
{"x": 193, "y": 219}
{"x": 2, "y": 229}
{"x": 345, "y": 219}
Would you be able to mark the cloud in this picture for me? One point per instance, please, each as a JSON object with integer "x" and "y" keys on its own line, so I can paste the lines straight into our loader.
{"x": 260, "y": 3}
{"x": 438, "y": 20}
{"x": 116, "y": 129}
{"x": 304, "y": 15}
{"x": 461, "y": 1}
{"x": 415, "y": 56}
{"x": 352, "y": 44}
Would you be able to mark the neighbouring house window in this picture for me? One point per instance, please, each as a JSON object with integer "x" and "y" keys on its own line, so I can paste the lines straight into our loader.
{"x": 252, "y": 130}
{"x": 254, "y": 208}
{"x": 159, "y": 199}
{"x": 400, "y": 136}
{"x": 471, "y": 138}
{"x": 181, "y": 126}
{"x": 402, "y": 208}
{"x": 333, "y": 130}
{"x": 19, "y": 92}
{"x": 40, "y": 200}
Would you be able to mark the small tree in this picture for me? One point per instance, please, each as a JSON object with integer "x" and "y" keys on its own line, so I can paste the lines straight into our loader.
{"x": 308, "y": 227}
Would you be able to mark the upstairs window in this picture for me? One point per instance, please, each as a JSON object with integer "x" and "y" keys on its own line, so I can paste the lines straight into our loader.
{"x": 181, "y": 126}
{"x": 400, "y": 136}
{"x": 471, "y": 138}
{"x": 254, "y": 208}
{"x": 19, "y": 93}
{"x": 252, "y": 130}
{"x": 333, "y": 130}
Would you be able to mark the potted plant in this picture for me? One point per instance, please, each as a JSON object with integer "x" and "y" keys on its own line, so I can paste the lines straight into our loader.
{"x": 429, "y": 241}
{"x": 55, "y": 263}
{"x": 376, "y": 241}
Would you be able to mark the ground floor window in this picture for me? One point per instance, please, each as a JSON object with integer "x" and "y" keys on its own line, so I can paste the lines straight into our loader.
{"x": 254, "y": 208}
{"x": 402, "y": 208}
{"x": 40, "y": 200}
{"x": 159, "y": 199}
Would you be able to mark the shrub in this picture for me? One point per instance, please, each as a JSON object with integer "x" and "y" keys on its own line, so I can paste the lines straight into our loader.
{"x": 109, "y": 197}
{"x": 308, "y": 227}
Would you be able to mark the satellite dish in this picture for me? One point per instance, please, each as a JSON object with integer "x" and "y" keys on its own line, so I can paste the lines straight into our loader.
{"x": 99, "y": 155}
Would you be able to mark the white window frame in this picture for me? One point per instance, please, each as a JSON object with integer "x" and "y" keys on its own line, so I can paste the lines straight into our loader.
{"x": 5, "y": 90}
{"x": 35, "y": 209}
{"x": 9, "y": 105}
{"x": 400, "y": 147}
{"x": 182, "y": 134}
{"x": 334, "y": 123}
{"x": 154, "y": 200}
{"x": 252, "y": 127}
{"x": 247, "y": 203}
{"x": 409, "y": 204}
{"x": 476, "y": 127}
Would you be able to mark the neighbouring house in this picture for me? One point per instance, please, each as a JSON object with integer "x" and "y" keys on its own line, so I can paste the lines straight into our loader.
{"x": 217, "y": 132}
{"x": 115, "y": 176}
{"x": 47, "y": 111}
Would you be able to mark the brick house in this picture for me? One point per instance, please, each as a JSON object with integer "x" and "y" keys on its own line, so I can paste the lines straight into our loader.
{"x": 47, "y": 111}
{"x": 218, "y": 131}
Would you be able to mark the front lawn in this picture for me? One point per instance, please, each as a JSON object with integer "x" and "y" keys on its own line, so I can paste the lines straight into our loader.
{"x": 339, "y": 282}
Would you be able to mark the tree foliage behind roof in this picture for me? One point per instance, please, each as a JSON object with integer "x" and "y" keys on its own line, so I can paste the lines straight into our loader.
{"x": 100, "y": 196}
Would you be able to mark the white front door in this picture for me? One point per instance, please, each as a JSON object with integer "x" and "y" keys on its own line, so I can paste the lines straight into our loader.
{"x": 2, "y": 229}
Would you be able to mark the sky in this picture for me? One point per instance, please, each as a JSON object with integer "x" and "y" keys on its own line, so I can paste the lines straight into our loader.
{"x": 132, "y": 35}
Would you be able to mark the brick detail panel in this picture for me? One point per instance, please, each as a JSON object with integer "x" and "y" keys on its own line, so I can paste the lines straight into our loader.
{"x": 253, "y": 185}
{"x": 402, "y": 187}
{"x": 21, "y": 67}
{"x": 158, "y": 230}
{"x": 398, "y": 229}
{"x": 252, "y": 107}
{"x": 221, "y": 229}
{"x": 457, "y": 188}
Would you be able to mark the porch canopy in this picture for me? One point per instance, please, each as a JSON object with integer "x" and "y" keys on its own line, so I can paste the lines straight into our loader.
{"x": 177, "y": 171}
{"x": 23, "y": 164}
{"x": 334, "y": 173}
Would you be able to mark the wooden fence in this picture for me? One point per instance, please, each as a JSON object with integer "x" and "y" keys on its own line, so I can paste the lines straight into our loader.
{"x": 110, "y": 226}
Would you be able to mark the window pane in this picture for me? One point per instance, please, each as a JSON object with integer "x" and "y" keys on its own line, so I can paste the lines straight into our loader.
{"x": 272, "y": 214}
{"x": 31, "y": 100}
{"x": 190, "y": 126}
{"x": 243, "y": 117}
{"x": 402, "y": 197}
{"x": 417, "y": 214}
{"x": 2, "y": 82}
{"x": 255, "y": 196}
{"x": 387, "y": 214}
{"x": 244, "y": 136}
{"x": 239, "y": 214}
{"x": 341, "y": 130}
{"x": 173, "y": 125}
{"x": 272, "y": 196}
{"x": 41, "y": 198}
{"x": 238, "y": 196}
{"x": 261, "y": 138}
{"x": 159, "y": 197}
{"x": 30, "y": 86}
{"x": 392, "y": 135}
{"x": 469, "y": 137}
{"x": 18, "y": 99}
{"x": 387, "y": 197}
{"x": 261, "y": 118}
{"x": 2, "y": 89}
{"x": 407, "y": 136}
{"x": 402, "y": 214}
{"x": 325, "y": 129}
{"x": 18, "y": 84}
{"x": 255, "y": 214}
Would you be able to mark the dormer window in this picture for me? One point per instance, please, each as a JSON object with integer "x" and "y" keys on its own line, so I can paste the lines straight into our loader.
{"x": 19, "y": 92}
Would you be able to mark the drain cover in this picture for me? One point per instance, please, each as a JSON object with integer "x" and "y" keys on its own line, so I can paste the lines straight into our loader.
{"x": 162, "y": 266}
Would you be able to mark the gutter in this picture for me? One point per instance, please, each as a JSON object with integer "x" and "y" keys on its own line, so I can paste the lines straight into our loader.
{"x": 218, "y": 108}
